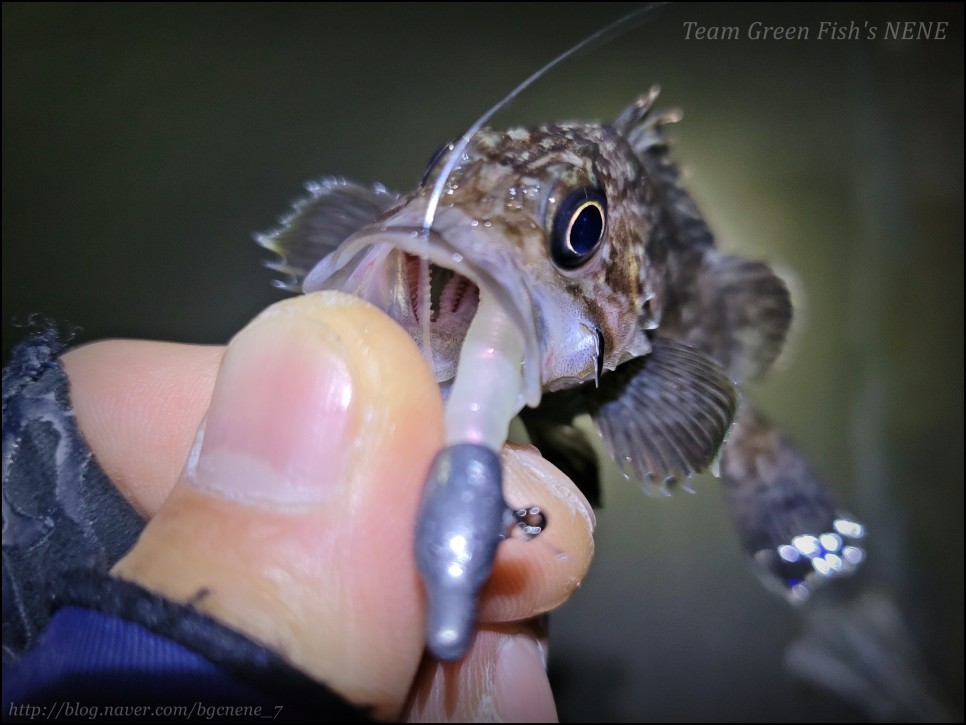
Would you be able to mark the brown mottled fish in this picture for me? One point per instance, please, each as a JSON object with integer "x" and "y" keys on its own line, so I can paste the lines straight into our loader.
{"x": 561, "y": 270}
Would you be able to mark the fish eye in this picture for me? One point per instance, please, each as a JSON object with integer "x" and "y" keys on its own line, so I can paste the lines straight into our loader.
{"x": 435, "y": 159}
{"x": 578, "y": 227}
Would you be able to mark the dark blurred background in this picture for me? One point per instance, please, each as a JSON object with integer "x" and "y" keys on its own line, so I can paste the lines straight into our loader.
{"x": 143, "y": 144}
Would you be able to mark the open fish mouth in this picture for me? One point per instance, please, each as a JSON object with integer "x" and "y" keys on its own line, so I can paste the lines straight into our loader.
{"x": 432, "y": 283}
{"x": 452, "y": 297}
{"x": 459, "y": 293}
{"x": 449, "y": 300}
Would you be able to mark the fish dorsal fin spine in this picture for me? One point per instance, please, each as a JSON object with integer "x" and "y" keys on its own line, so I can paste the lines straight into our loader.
{"x": 734, "y": 310}
{"x": 622, "y": 24}
{"x": 334, "y": 209}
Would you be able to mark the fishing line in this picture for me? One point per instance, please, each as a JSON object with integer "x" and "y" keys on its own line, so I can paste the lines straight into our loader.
{"x": 631, "y": 20}
{"x": 623, "y": 24}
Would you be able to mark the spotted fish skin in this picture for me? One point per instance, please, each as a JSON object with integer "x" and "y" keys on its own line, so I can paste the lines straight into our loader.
{"x": 515, "y": 181}
{"x": 642, "y": 322}
{"x": 498, "y": 205}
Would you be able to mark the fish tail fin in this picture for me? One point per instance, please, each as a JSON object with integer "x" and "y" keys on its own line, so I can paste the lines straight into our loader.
{"x": 785, "y": 516}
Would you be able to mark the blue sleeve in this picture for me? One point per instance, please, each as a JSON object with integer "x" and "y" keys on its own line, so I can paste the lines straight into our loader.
{"x": 79, "y": 645}
{"x": 121, "y": 652}
{"x": 86, "y": 660}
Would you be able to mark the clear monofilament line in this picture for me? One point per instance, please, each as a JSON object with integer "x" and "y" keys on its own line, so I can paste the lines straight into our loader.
{"x": 622, "y": 24}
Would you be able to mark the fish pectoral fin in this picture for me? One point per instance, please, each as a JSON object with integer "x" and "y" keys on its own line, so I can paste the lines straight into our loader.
{"x": 334, "y": 210}
{"x": 664, "y": 416}
{"x": 749, "y": 311}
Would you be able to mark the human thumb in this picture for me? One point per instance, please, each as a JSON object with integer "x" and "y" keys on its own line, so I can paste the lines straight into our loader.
{"x": 294, "y": 512}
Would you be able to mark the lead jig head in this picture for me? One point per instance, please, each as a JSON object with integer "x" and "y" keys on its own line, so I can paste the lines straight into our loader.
{"x": 462, "y": 519}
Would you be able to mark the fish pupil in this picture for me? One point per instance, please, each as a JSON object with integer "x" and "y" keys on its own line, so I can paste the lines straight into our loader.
{"x": 586, "y": 228}
{"x": 578, "y": 227}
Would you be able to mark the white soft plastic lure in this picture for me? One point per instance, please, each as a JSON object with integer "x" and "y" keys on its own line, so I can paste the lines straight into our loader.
{"x": 565, "y": 267}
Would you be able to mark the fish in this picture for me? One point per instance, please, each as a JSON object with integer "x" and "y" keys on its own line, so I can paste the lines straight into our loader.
{"x": 563, "y": 270}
